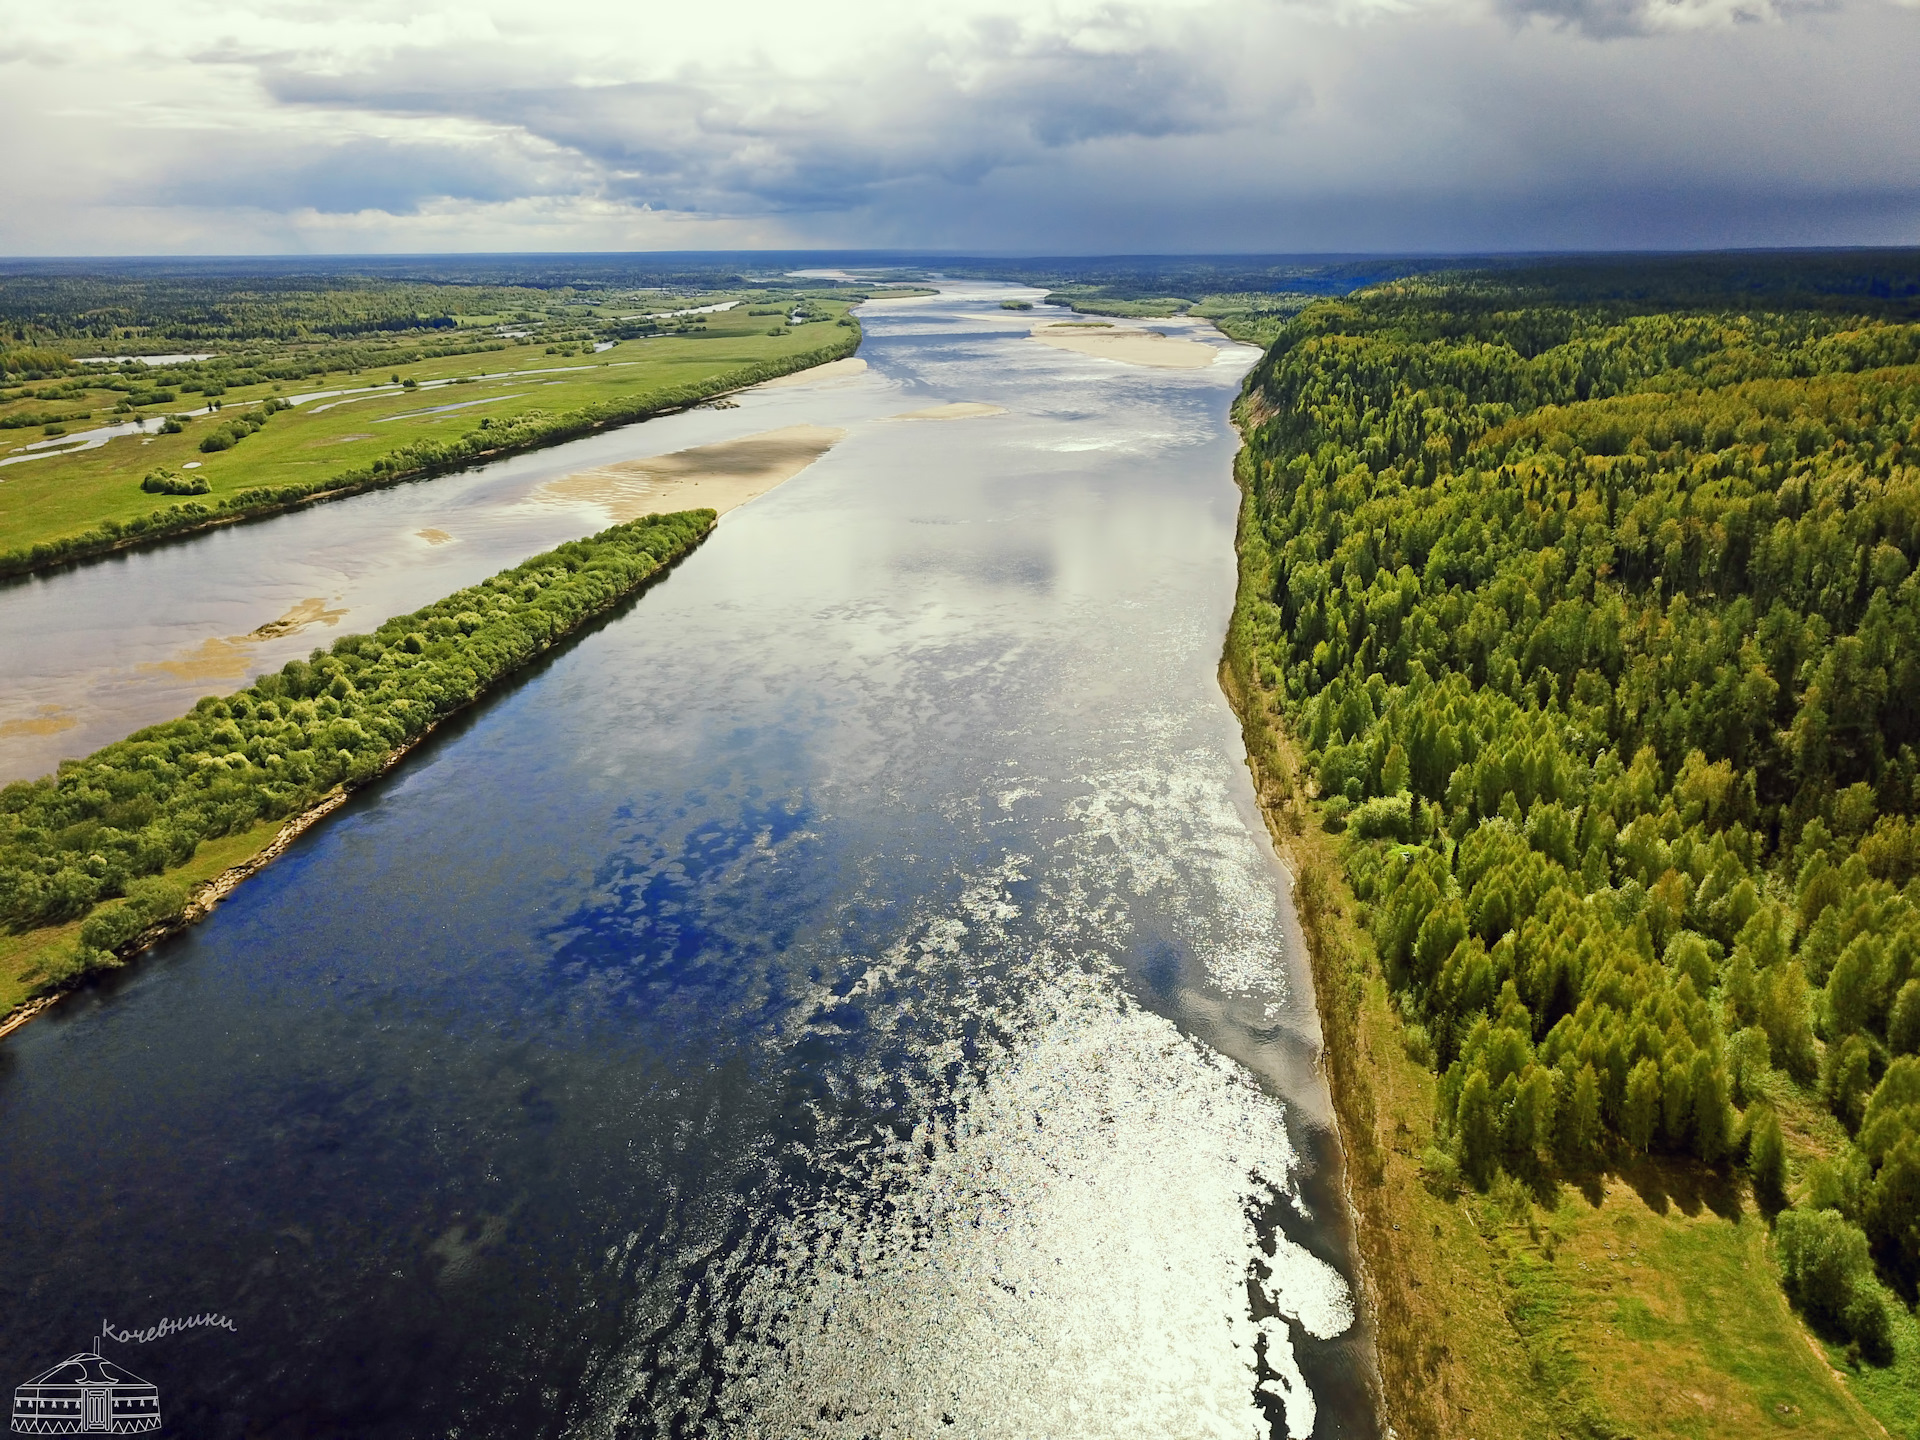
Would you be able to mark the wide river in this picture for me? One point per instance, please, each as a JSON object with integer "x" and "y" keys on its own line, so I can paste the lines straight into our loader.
{"x": 848, "y": 993}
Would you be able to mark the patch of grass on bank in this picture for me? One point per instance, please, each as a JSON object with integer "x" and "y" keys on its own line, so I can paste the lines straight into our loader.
{"x": 52, "y": 501}
{"x": 113, "y": 844}
{"x": 27, "y": 958}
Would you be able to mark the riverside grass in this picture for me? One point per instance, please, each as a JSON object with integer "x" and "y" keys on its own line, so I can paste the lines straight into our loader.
{"x": 34, "y": 499}
{"x": 100, "y": 857}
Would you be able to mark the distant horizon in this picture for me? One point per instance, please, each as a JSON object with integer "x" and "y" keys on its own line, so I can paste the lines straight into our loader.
{"x": 1004, "y": 256}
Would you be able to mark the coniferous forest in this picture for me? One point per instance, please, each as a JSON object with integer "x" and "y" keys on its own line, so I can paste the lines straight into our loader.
{"x": 1596, "y": 620}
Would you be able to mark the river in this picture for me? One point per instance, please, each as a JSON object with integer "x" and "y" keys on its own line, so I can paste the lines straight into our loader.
{"x": 848, "y": 993}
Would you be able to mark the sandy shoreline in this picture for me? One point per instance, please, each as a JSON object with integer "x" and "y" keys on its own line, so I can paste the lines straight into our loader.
{"x": 958, "y": 410}
{"x": 832, "y": 370}
{"x": 1134, "y": 347}
{"x": 718, "y": 477}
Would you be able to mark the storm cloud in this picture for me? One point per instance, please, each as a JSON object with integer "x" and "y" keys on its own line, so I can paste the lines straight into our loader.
{"x": 1188, "y": 125}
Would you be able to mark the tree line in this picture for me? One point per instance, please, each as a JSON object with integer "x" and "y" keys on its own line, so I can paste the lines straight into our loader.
{"x": 1597, "y": 618}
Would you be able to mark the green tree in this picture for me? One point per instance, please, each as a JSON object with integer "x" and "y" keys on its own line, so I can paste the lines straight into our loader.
{"x": 1394, "y": 773}
{"x": 1893, "y": 1208}
{"x": 1903, "y": 1020}
{"x": 1640, "y": 1118}
{"x": 1847, "y": 1078}
{"x": 1767, "y": 1159}
{"x": 1785, "y": 1013}
{"x": 1850, "y": 990}
{"x": 1749, "y": 1060}
{"x": 1530, "y": 1116}
{"x": 1676, "y": 1102}
{"x": 1475, "y": 1124}
{"x": 1585, "y": 1126}
{"x": 1712, "y": 1121}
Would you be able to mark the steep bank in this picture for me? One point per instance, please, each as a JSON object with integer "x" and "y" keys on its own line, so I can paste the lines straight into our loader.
{"x": 1324, "y": 905}
{"x": 93, "y": 859}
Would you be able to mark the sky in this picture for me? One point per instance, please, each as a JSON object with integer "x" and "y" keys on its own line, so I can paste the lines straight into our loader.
{"x": 1105, "y": 127}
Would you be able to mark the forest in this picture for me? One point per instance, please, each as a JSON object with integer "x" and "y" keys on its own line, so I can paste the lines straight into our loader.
{"x": 107, "y": 828}
{"x": 1590, "y": 597}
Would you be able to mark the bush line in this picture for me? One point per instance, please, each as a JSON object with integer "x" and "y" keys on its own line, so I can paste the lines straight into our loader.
{"x": 110, "y": 825}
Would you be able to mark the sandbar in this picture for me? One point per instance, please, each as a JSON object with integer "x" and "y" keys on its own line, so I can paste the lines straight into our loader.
{"x": 832, "y": 370}
{"x": 715, "y": 477}
{"x": 50, "y": 720}
{"x": 1134, "y": 347}
{"x": 434, "y": 536}
{"x": 231, "y": 657}
{"x": 959, "y": 410}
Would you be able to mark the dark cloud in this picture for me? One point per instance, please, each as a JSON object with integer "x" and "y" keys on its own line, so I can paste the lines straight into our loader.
{"x": 1619, "y": 19}
{"x": 746, "y": 142}
{"x": 345, "y": 178}
{"x": 1199, "y": 125}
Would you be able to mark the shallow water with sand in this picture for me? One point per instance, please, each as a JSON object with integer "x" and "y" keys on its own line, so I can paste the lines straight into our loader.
{"x": 848, "y": 993}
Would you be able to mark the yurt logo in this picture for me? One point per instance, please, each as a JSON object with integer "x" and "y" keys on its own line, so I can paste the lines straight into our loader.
{"x": 86, "y": 1394}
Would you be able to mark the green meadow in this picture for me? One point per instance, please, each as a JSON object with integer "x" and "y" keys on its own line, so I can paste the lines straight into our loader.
{"x": 390, "y": 406}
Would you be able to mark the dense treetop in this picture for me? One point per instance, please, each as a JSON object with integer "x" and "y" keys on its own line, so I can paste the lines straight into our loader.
{"x": 1592, "y": 596}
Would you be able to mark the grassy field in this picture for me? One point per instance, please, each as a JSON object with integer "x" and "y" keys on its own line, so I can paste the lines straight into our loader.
{"x": 43, "y": 500}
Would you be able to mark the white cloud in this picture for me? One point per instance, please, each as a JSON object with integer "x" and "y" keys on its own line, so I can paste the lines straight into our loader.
{"x": 1183, "y": 124}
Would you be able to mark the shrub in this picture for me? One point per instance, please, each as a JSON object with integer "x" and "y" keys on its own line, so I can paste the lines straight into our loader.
{"x": 1442, "y": 1170}
{"x": 1419, "y": 1045}
{"x": 1386, "y": 817}
{"x": 1826, "y": 1272}
{"x": 168, "y": 482}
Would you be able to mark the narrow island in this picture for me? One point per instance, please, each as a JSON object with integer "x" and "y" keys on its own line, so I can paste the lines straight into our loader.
{"x": 144, "y": 836}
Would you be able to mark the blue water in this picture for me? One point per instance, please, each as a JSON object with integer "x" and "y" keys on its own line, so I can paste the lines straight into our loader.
{"x": 849, "y": 992}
